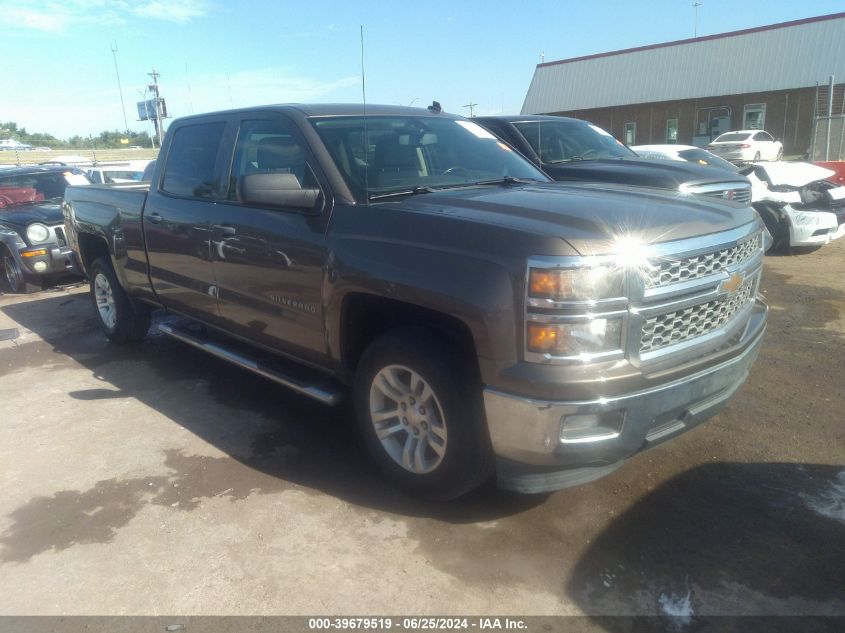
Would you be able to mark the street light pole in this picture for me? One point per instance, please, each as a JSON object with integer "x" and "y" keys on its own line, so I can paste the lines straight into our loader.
{"x": 119, "y": 88}
{"x": 695, "y": 6}
{"x": 470, "y": 105}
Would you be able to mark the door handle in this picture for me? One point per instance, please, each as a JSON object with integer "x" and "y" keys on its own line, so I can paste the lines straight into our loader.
{"x": 154, "y": 218}
{"x": 224, "y": 229}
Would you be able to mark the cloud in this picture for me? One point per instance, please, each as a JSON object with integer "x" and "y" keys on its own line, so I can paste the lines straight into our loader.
{"x": 171, "y": 11}
{"x": 55, "y": 17}
{"x": 254, "y": 87}
{"x": 84, "y": 111}
{"x": 47, "y": 21}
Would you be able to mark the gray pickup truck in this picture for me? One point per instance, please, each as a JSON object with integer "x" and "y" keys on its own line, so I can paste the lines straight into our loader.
{"x": 484, "y": 319}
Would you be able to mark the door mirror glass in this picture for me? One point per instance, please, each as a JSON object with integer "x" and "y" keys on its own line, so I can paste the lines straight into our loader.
{"x": 277, "y": 190}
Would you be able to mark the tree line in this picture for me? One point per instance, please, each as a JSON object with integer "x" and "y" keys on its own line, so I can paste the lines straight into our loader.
{"x": 106, "y": 139}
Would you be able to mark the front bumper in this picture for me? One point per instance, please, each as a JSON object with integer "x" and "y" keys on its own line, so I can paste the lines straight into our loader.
{"x": 46, "y": 260}
{"x": 526, "y": 432}
{"x": 812, "y": 228}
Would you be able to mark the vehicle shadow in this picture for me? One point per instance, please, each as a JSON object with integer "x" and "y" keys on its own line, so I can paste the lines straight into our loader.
{"x": 723, "y": 538}
{"x": 295, "y": 440}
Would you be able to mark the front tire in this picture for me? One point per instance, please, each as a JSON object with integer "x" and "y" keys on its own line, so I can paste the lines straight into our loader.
{"x": 757, "y": 157}
{"x": 14, "y": 276}
{"x": 419, "y": 410}
{"x": 779, "y": 155}
{"x": 118, "y": 320}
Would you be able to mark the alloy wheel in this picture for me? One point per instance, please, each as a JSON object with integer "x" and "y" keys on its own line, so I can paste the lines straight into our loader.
{"x": 408, "y": 419}
{"x": 105, "y": 301}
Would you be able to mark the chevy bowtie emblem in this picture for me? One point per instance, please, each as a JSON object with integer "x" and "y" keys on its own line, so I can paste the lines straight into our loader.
{"x": 733, "y": 283}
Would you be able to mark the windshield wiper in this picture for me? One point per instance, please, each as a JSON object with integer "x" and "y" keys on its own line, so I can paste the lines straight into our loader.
{"x": 504, "y": 180}
{"x": 565, "y": 160}
{"x": 408, "y": 192}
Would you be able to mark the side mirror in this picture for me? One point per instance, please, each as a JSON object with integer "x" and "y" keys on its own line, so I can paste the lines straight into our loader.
{"x": 277, "y": 190}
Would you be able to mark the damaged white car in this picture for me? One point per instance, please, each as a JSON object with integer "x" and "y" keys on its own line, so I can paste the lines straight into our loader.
{"x": 798, "y": 204}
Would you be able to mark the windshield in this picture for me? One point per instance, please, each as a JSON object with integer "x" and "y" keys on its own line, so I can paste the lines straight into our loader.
{"x": 566, "y": 140}
{"x": 18, "y": 189}
{"x": 409, "y": 153}
{"x": 703, "y": 157}
{"x": 732, "y": 137}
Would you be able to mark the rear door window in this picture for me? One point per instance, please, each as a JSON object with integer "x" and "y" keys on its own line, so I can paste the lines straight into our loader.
{"x": 192, "y": 161}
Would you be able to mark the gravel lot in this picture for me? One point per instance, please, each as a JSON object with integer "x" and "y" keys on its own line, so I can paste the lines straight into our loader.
{"x": 152, "y": 479}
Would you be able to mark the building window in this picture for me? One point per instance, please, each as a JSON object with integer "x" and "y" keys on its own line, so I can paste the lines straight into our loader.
{"x": 630, "y": 133}
{"x": 672, "y": 131}
{"x": 754, "y": 116}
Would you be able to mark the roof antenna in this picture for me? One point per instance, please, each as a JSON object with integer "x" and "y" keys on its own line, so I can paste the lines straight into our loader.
{"x": 435, "y": 107}
{"x": 366, "y": 135}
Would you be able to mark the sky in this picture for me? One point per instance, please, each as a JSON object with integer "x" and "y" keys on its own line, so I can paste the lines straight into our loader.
{"x": 59, "y": 71}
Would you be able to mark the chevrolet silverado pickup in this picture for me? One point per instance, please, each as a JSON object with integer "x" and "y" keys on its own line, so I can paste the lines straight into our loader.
{"x": 484, "y": 319}
{"x": 573, "y": 150}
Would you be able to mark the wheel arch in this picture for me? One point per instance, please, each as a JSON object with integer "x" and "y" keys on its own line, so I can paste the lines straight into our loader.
{"x": 365, "y": 317}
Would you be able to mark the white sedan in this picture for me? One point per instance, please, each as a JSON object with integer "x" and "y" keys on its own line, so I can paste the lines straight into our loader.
{"x": 745, "y": 146}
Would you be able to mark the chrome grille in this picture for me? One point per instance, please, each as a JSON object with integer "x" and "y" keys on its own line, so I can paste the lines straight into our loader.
{"x": 687, "y": 323}
{"x": 60, "y": 235}
{"x": 673, "y": 271}
{"x": 736, "y": 195}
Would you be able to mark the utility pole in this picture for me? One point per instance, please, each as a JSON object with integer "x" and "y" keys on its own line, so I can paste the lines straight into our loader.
{"x": 154, "y": 87}
{"x": 695, "y": 6}
{"x": 119, "y": 88}
{"x": 470, "y": 105}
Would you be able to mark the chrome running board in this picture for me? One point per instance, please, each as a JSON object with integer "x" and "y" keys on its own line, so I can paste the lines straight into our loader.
{"x": 319, "y": 393}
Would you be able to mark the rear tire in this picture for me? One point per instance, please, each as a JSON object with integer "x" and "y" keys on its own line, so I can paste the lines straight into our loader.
{"x": 779, "y": 155}
{"x": 117, "y": 317}
{"x": 757, "y": 157}
{"x": 420, "y": 413}
{"x": 13, "y": 276}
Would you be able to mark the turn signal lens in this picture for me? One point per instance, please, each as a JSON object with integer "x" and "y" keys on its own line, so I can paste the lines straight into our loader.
{"x": 551, "y": 283}
{"x": 589, "y": 283}
{"x": 586, "y": 338}
{"x": 36, "y": 253}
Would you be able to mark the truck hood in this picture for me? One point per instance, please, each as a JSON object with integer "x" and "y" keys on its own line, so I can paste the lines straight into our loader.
{"x": 21, "y": 215}
{"x": 591, "y": 218}
{"x": 638, "y": 171}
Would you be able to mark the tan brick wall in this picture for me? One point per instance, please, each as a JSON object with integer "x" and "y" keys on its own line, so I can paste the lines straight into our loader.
{"x": 789, "y": 117}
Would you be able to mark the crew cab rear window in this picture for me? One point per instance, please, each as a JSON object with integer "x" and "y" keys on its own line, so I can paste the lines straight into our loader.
{"x": 190, "y": 168}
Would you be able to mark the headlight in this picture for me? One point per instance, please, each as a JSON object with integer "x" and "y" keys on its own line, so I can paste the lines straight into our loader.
{"x": 583, "y": 338}
{"x": 37, "y": 233}
{"x": 590, "y": 283}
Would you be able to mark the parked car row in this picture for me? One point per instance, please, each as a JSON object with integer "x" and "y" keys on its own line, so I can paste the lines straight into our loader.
{"x": 484, "y": 319}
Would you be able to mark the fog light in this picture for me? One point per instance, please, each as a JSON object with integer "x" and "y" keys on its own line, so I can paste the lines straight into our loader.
{"x": 591, "y": 427}
{"x": 40, "y": 267}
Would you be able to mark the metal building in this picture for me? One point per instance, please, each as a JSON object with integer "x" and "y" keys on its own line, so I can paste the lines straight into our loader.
{"x": 773, "y": 77}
